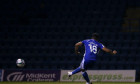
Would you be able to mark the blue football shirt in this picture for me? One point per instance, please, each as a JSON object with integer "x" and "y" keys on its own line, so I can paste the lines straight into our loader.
{"x": 91, "y": 49}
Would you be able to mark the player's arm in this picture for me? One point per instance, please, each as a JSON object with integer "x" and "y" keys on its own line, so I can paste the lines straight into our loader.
{"x": 77, "y": 45}
{"x": 109, "y": 51}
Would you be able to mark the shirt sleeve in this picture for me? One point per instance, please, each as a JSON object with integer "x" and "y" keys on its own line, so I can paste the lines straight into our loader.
{"x": 101, "y": 46}
{"x": 83, "y": 41}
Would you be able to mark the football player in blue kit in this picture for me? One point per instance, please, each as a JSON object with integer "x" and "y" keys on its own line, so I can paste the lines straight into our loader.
{"x": 92, "y": 46}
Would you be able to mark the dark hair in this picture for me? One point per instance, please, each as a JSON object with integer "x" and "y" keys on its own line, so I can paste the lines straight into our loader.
{"x": 95, "y": 36}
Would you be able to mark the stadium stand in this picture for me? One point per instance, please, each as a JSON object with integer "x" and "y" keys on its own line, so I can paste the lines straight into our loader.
{"x": 43, "y": 32}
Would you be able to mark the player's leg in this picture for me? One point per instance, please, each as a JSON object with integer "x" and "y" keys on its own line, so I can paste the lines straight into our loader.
{"x": 83, "y": 67}
{"x": 78, "y": 69}
{"x": 84, "y": 73}
{"x": 74, "y": 72}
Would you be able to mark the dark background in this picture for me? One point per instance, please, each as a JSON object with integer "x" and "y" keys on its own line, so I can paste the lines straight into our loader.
{"x": 44, "y": 32}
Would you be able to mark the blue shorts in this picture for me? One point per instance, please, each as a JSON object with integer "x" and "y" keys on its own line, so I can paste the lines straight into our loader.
{"x": 86, "y": 64}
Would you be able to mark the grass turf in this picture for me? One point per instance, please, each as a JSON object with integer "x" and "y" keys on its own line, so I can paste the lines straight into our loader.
{"x": 66, "y": 83}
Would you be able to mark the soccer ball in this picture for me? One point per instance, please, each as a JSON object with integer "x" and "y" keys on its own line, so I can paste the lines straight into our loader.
{"x": 20, "y": 62}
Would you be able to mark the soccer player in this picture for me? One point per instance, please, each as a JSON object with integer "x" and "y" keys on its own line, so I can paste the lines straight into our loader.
{"x": 92, "y": 46}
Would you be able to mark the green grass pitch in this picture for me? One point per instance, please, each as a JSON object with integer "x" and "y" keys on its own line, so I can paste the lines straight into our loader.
{"x": 65, "y": 83}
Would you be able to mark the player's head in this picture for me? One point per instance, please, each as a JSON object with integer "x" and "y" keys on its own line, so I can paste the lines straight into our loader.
{"x": 95, "y": 36}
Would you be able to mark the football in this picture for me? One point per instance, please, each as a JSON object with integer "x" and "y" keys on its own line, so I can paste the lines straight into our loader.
{"x": 20, "y": 62}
